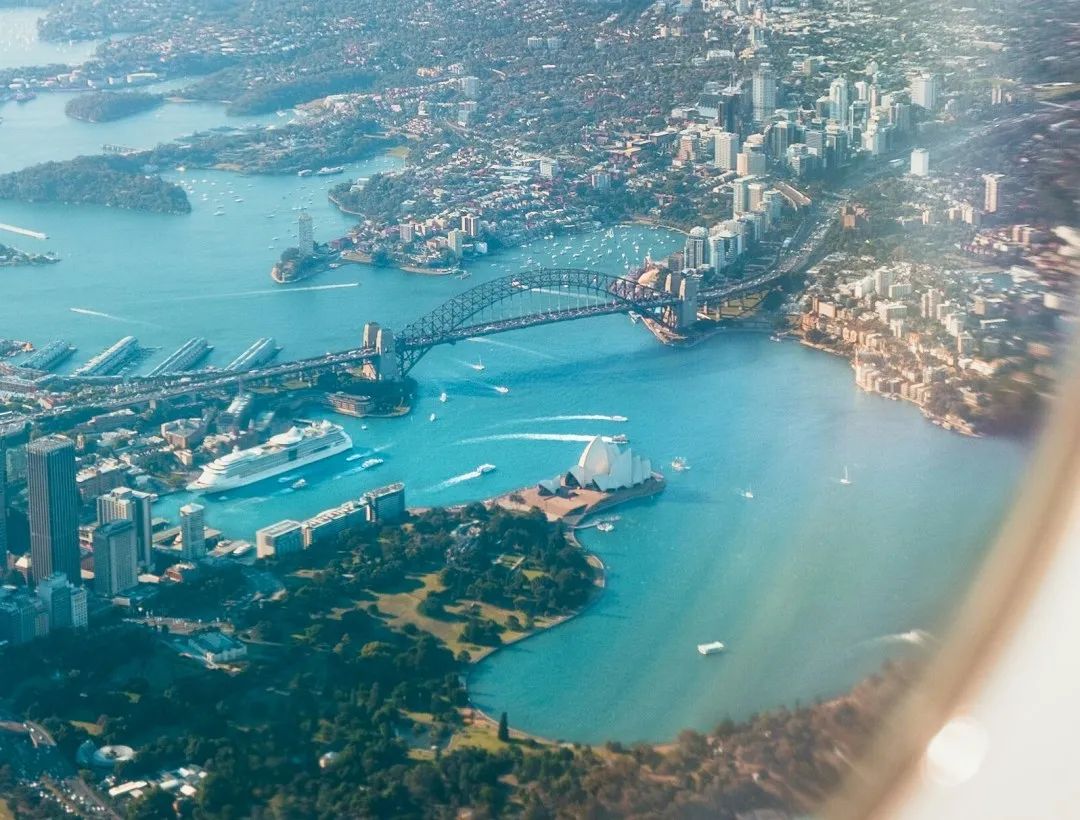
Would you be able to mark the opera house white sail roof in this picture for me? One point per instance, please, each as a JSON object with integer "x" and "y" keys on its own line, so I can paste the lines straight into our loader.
{"x": 606, "y": 467}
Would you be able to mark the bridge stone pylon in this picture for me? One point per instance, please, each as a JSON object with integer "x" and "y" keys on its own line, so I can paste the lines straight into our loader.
{"x": 385, "y": 361}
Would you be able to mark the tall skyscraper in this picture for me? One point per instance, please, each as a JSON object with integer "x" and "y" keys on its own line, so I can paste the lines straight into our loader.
{"x": 836, "y": 146}
{"x": 455, "y": 241}
{"x": 992, "y": 194}
{"x": 125, "y": 504}
{"x": 764, "y": 92}
{"x": 839, "y": 100}
{"x": 54, "y": 508}
{"x": 740, "y": 196}
{"x": 726, "y": 150}
{"x": 115, "y": 561}
{"x": 696, "y": 248}
{"x": 305, "y": 234}
{"x": 193, "y": 531}
{"x": 920, "y": 162}
{"x": 924, "y": 90}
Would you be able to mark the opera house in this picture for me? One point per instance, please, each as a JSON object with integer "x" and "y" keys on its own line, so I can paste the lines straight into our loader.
{"x": 605, "y": 467}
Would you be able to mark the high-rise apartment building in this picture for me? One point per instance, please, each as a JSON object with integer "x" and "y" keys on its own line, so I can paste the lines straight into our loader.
{"x": 305, "y": 234}
{"x": 992, "y": 192}
{"x": 54, "y": 508}
{"x": 920, "y": 162}
{"x": 924, "y": 90}
{"x": 193, "y": 531}
{"x": 839, "y": 100}
{"x": 116, "y": 566}
{"x": 725, "y": 151}
{"x": 764, "y": 92}
{"x": 740, "y": 196}
{"x": 125, "y": 504}
{"x": 455, "y": 241}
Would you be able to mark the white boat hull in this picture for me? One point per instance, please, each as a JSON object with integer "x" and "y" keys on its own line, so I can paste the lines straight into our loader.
{"x": 223, "y": 484}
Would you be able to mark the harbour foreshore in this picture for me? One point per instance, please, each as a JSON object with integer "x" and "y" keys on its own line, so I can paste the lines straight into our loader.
{"x": 360, "y": 257}
{"x": 951, "y": 423}
{"x": 594, "y": 503}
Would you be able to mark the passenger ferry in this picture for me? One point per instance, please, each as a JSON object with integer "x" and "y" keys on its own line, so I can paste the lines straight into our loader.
{"x": 296, "y": 447}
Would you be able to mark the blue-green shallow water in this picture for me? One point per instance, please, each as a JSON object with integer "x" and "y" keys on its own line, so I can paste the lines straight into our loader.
{"x": 805, "y": 583}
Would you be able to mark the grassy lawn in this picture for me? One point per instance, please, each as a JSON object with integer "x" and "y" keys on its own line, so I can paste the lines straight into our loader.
{"x": 479, "y": 733}
{"x": 400, "y": 608}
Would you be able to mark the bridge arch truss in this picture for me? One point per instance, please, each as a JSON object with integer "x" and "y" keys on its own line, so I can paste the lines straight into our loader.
{"x": 528, "y": 299}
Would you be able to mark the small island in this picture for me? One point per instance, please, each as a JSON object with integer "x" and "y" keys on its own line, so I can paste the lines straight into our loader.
{"x": 306, "y": 258}
{"x": 293, "y": 266}
{"x": 106, "y": 106}
{"x": 13, "y": 257}
{"x": 113, "y": 181}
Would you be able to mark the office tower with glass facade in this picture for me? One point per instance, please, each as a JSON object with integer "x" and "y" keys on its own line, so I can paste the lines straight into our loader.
{"x": 54, "y": 508}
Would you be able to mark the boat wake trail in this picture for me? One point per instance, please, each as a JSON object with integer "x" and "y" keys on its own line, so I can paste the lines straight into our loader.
{"x": 101, "y": 315}
{"x": 913, "y": 637}
{"x": 496, "y": 343}
{"x": 265, "y": 292}
{"x": 572, "y": 437}
{"x": 450, "y": 482}
{"x": 579, "y": 417}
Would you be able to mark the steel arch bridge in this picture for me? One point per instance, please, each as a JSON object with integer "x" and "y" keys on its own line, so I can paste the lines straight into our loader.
{"x": 528, "y": 299}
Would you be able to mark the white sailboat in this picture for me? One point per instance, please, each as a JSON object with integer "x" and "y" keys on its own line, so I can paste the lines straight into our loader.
{"x": 748, "y": 492}
{"x": 846, "y": 479}
{"x": 479, "y": 366}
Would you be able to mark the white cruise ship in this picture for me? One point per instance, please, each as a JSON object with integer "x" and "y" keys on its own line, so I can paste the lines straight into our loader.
{"x": 296, "y": 447}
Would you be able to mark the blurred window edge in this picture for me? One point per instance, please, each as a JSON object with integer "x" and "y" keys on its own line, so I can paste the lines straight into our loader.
{"x": 889, "y": 777}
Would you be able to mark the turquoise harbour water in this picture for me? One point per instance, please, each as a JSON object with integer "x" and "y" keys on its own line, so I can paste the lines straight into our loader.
{"x": 811, "y": 584}
{"x": 20, "y": 46}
